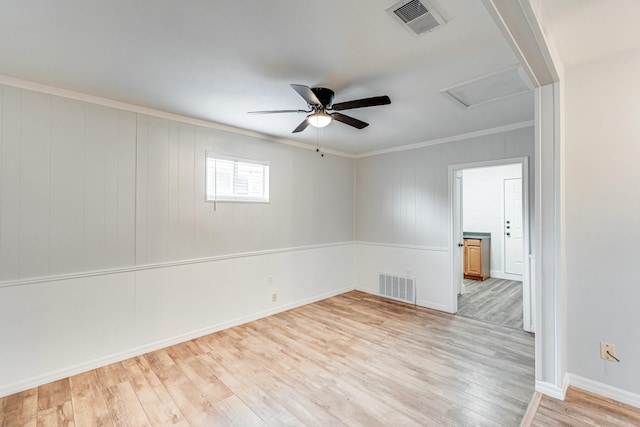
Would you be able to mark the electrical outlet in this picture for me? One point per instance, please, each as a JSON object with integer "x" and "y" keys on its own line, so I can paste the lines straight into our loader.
{"x": 407, "y": 272}
{"x": 606, "y": 347}
{"x": 274, "y": 297}
{"x": 270, "y": 280}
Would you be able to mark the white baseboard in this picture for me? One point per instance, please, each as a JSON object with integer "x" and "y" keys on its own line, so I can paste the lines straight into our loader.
{"x": 605, "y": 390}
{"x": 419, "y": 302}
{"x": 553, "y": 390}
{"x": 8, "y": 389}
{"x": 433, "y": 305}
{"x": 505, "y": 276}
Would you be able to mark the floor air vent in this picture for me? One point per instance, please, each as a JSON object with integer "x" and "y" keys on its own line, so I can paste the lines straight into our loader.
{"x": 418, "y": 16}
{"x": 399, "y": 288}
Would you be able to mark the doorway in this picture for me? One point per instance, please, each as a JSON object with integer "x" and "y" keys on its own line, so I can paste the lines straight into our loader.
{"x": 494, "y": 214}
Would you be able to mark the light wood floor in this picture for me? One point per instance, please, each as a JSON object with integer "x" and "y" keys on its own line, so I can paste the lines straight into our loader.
{"x": 492, "y": 300}
{"x": 354, "y": 359}
{"x": 581, "y": 408}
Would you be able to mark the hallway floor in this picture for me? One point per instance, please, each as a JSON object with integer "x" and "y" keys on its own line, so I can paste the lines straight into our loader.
{"x": 493, "y": 300}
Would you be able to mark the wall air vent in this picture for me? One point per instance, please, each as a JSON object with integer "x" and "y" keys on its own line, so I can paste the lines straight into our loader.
{"x": 399, "y": 288}
{"x": 418, "y": 16}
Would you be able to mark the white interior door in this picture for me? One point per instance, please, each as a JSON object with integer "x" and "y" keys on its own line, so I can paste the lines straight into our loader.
{"x": 513, "y": 233}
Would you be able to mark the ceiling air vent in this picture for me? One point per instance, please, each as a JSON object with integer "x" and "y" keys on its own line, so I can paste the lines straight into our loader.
{"x": 418, "y": 16}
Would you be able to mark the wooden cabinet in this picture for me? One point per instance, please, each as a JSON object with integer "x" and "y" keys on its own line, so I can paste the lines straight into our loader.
{"x": 476, "y": 259}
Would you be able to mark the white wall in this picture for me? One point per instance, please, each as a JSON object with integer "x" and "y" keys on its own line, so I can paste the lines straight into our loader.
{"x": 602, "y": 136}
{"x": 402, "y": 210}
{"x": 67, "y": 200}
{"x": 107, "y": 248}
{"x": 483, "y": 206}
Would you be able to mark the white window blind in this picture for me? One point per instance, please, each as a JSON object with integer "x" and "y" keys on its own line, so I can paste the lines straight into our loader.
{"x": 236, "y": 180}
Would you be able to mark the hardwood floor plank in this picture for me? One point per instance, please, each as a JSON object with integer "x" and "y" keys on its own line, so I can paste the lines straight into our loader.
{"x": 204, "y": 380}
{"x": 179, "y": 352}
{"x": 20, "y": 409}
{"x": 111, "y": 375}
{"x": 236, "y": 413}
{"x": 124, "y": 406}
{"x": 89, "y": 404}
{"x": 196, "y": 409}
{"x": 544, "y": 420}
{"x": 159, "y": 360}
{"x": 53, "y": 394}
{"x": 158, "y": 405}
{"x": 60, "y": 415}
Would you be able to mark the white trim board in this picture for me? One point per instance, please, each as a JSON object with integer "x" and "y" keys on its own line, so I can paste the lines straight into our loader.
{"x": 79, "y": 275}
{"x": 505, "y": 276}
{"x": 395, "y": 245}
{"x": 552, "y": 389}
{"x": 36, "y": 381}
{"x": 604, "y": 390}
{"x": 476, "y": 134}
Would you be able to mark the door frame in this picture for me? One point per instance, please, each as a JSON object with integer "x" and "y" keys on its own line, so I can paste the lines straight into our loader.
{"x": 458, "y": 254}
{"x": 528, "y": 291}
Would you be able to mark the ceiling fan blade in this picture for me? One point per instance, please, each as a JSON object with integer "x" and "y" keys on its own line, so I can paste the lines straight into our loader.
{"x": 307, "y": 94}
{"x": 349, "y": 121}
{"x": 302, "y": 126}
{"x": 279, "y": 111}
{"x": 359, "y": 103}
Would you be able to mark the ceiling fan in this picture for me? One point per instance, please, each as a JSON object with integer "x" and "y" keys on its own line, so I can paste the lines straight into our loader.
{"x": 320, "y": 106}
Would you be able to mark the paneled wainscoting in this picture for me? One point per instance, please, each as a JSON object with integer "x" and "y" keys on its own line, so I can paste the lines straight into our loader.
{"x": 354, "y": 359}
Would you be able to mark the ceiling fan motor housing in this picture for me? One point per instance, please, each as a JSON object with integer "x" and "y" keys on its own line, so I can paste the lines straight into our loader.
{"x": 324, "y": 95}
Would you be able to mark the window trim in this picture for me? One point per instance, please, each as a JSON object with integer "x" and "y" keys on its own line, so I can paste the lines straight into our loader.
{"x": 215, "y": 156}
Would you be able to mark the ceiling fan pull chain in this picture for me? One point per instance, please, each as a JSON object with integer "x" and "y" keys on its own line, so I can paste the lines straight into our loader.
{"x": 318, "y": 143}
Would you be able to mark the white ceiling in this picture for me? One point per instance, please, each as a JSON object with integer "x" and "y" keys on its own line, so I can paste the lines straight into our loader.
{"x": 218, "y": 59}
{"x": 589, "y": 30}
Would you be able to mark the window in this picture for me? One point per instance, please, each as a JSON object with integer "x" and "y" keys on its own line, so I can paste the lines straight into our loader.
{"x": 236, "y": 180}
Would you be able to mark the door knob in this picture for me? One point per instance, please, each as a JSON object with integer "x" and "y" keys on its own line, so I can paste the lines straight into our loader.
{"x": 508, "y": 222}
{"x": 508, "y": 234}
{"x": 460, "y": 245}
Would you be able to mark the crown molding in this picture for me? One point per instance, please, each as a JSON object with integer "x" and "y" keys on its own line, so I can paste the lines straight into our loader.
{"x": 106, "y": 102}
{"x": 476, "y": 134}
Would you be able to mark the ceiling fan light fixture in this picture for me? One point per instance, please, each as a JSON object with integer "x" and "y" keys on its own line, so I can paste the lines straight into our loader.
{"x": 319, "y": 120}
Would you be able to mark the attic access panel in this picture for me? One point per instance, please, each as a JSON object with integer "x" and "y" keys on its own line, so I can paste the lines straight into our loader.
{"x": 492, "y": 87}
